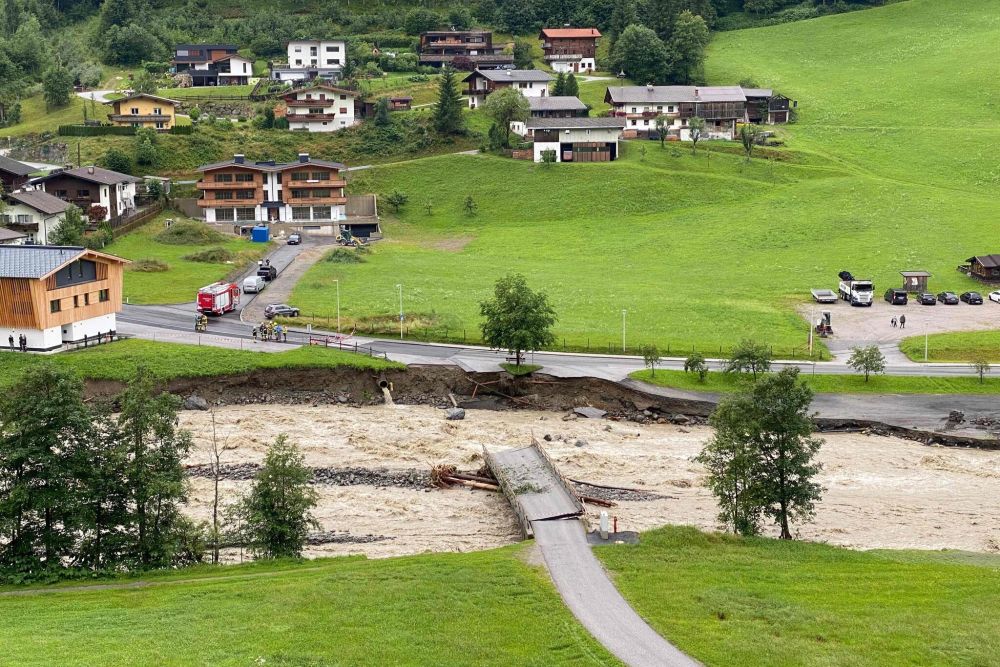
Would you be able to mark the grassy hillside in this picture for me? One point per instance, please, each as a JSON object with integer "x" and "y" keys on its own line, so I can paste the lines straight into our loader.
{"x": 485, "y": 608}
{"x": 704, "y": 250}
{"x": 167, "y": 361}
{"x": 736, "y": 602}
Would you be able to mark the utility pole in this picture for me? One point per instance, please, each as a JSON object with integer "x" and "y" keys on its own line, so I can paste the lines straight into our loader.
{"x": 338, "y": 303}
{"x": 400, "y": 288}
{"x": 624, "y": 312}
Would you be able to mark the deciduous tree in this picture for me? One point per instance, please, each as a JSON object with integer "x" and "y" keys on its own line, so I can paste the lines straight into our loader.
{"x": 144, "y": 82}
{"x": 748, "y": 357}
{"x": 748, "y": 137}
{"x": 70, "y": 230}
{"x": 397, "y": 200}
{"x": 687, "y": 43}
{"x": 641, "y": 55}
{"x": 522, "y": 54}
{"x": 695, "y": 363}
{"x": 276, "y": 515}
{"x": 981, "y": 366}
{"x": 505, "y": 106}
{"x": 517, "y": 318}
{"x": 650, "y": 357}
{"x": 696, "y": 125}
{"x": 382, "y": 118}
{"x": 868, "y": 359}
{"x": 57, "y": 86}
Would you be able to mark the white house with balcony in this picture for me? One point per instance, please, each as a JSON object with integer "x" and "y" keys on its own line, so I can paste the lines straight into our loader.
{"x": 321, "y": 108}
{"x": 34, "y": 214}
{"x": 528, "y": 82}
{"x": 576, "y": 139}
{"x": 312, "y": 59}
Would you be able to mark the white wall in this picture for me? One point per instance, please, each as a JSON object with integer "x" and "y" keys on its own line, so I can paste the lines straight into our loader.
{"x": 585, "y": 65}
{"x": 329, "y": 53}
{"x": 38, "y": 339}
{"x": 46, "y": 224}
{"x": 75, "y": 331}
{"x": 579, "y": 135}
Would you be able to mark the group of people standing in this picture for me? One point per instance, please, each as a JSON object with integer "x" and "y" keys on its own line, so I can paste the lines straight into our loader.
{"x": 22, "y": 342}
{"x": 901, "y": 322}
{"x": 268, "y": 330}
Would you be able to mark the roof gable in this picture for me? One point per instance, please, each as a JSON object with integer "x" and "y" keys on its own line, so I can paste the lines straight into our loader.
{"x": 571, "y": 33}
{"x": 511, "y": 75}
{"x": 15, "y": 167}
{"x": 91, "y": 174}
{"x": 146, "y": 96}
{"x": 40, "y": 200}
{"x": 40, "y": 261}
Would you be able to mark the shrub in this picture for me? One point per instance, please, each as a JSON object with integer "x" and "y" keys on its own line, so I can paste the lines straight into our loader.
{"x": 344, "y": 256}
{"x": 215, "y": 255}
{"x": 189, "y": 232}
{"x": 148, "y": 265}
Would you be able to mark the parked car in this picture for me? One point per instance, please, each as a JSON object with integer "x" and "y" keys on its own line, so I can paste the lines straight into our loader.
{"x": 294, "y": 239}
{"x": 972, "y": 298}
{"x": 947, "y": 298}
{"x": 280, "y": 310}
{"x": 926, "y": 299}
{"x": 896, "y": 297}
{"x": 253, "y": 285}
{"x": 995, "y": 296}
{"x": 267, "y": 272}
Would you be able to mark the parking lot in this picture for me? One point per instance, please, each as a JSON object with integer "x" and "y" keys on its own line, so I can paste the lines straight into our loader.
{"x": 854, "y": 325}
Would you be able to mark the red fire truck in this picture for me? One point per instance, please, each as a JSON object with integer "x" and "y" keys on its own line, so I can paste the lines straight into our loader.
{"x": 218, "y": 298}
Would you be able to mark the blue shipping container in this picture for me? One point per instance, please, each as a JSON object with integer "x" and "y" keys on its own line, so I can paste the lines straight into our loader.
{"x": 260, "y": 234}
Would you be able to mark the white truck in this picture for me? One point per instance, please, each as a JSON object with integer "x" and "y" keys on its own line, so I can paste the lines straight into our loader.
{"x": 857, "y": 292}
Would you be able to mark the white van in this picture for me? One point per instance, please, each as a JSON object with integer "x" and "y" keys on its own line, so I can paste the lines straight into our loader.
{"x": 253, "y": 284}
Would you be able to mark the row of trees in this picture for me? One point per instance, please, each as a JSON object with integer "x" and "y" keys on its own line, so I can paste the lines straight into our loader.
{"x": 86, "y": 490}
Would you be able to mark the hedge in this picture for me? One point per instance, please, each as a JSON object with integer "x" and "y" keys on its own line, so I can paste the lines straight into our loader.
{"x": 112, "y": 130}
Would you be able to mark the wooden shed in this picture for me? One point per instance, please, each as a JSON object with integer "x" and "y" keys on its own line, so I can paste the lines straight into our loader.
{"x": 915, "y": 282}
{"x": 982, "y": 267}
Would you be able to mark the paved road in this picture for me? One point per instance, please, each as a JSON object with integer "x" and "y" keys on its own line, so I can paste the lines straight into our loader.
{"x": 595, "y": 601}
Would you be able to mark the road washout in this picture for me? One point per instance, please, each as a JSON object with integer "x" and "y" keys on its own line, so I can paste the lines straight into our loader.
{"x": 882, "y": 492}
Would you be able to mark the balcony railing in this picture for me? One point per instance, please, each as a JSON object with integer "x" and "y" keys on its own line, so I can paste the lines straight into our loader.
{"x": 316, "y": 200}
{"x": 139, "y": 118}
{"x": 292, "y": 117}
{"x": 225, "y": 203}
{"x": 230, "y": 185}
{"x": 336, "y": 183}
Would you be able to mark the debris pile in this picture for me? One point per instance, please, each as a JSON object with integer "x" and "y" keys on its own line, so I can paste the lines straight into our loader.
{"x": 333, "y": 537}
{"x": 444, "y": 476}
{"x": 378, "y": 477}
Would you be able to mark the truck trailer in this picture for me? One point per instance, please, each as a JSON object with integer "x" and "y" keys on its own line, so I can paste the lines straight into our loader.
{"x": 857, "y": 292}
{"x": 218, "y": 298}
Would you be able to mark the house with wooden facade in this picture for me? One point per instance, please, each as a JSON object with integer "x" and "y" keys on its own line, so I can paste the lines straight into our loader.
{"x": 765, "y": 107}
{"x": 321, "y": 108}
{"x": 570, "y": 49}
{"x": 560, "y": 106}
{"x": 722, "y": 108}
{"x": 212, "y": 64}
{"x": 982, "y": 267}
{"x": 528, "y": 82}
{"x": 33, "y": 214}
{"x": 462, "y": 48}
{"x": 13, "y": 174}
{"x": 307, "y": 191}
{"x": 142, "y": 110}
{"x": 91, "y": 186}
{"x": 576, "y": 139}
{"x": 55, "y": 295}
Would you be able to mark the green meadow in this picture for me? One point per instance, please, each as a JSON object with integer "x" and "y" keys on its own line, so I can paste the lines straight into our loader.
{"x": 891, "y": 166}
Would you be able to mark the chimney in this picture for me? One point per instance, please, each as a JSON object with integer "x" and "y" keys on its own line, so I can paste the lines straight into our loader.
{"x": 509, "y": 73}
{"x": 649, "y": 87}
{"x": 238, "y": 158}
{"x": 90, "y": 170}
{"x": 303, "y": 157}
{"x": 696, "y": 92}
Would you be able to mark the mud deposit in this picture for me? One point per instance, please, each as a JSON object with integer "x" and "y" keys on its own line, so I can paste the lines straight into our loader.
{"x": 882, "y": 492}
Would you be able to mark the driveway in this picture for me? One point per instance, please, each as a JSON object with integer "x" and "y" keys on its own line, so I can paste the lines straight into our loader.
{"x": 291, "y": 261}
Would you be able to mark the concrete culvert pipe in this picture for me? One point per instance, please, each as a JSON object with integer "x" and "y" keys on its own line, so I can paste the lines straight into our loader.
{"x": 383, "y": 382}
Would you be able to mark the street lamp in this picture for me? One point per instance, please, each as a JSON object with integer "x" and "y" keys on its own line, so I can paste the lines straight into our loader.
{"x": 338, "y": 303}
{"x": 400, "y": 288}
{"x": 624, "y": 312}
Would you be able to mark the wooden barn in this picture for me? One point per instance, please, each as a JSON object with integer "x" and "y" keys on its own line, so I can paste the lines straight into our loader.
{"x": 982, "y": 267}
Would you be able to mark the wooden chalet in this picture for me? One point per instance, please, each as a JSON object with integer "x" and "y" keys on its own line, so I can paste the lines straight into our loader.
{"x": 58, "y": 294}
{"x": 982, "y": 267}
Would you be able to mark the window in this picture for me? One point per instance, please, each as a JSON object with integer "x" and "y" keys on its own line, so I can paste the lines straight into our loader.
{"x": 244, "y": 178}
{"x": 320, "y": 175}
{"x": 160, "y": 126}
{"x": 83, "y": 193}
{"x": 331, "y": 61}
{"x": 244, "y": 194}
{"x": 522, "y": 85}
{"x": 23, "y": 218}
{"x": 86, "y": 299}
{"x": 634, "y": 110}
{"x": 136, "y": 125}
{"x": 62, "y": 193}
{"x": 299, "y": 194}
{"x": 223, "y": 178}
{"x": 157, "y": 111}
{"x": 320, "y": 193}
{"x": 315, "y": 110}
{"x": 103, "y": 296}
{"x": 298, "y": 49}
{"x": 224, "y": 194}
{"x": 670, "y": 109}
{"x": 343, "y": 97}
{"x": 224, "y": 215}
{"x": 246, "y": 214}
{"x": 55, "y": 306}
{"x": 135, "y": 111}
{"x": 634, "y": 122}
{"x": 321, "y": 213}
{"x": 343, "y": 109}
{"x": 298, "y": 61}
{"x": 4, "y": 219}
{"x": 333, "y": 49}
{"x": 76, "y": 301}
{"x": 300, "y": 213}
{"x": 300, "y": 175}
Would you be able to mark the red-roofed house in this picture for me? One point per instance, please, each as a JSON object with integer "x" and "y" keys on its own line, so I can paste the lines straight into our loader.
{"x": 570, "y": 49}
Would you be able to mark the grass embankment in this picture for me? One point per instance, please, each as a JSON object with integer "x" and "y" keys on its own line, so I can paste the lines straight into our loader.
{"x": 183, "y": 277}
{"x": 36, "y": 118}
{"x": 724, "y": 383}
{"x": 955, "y": 347}
{"x": 486, "y": 608}
{"x": 117, "y": 361}
{"x": 523, "y": 369}
{"x": 205, "y": 92}
{"x": 734, "y": 602}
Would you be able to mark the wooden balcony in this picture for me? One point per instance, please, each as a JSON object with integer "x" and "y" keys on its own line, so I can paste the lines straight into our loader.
{"x": 316, "y": 201}
{"x": 228, "y": 185}
{"x": 139, "y": 118}
{"x": 335, "y": 183}
{"x": 300, "y": 117}
{"x": 227, "y": 203}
